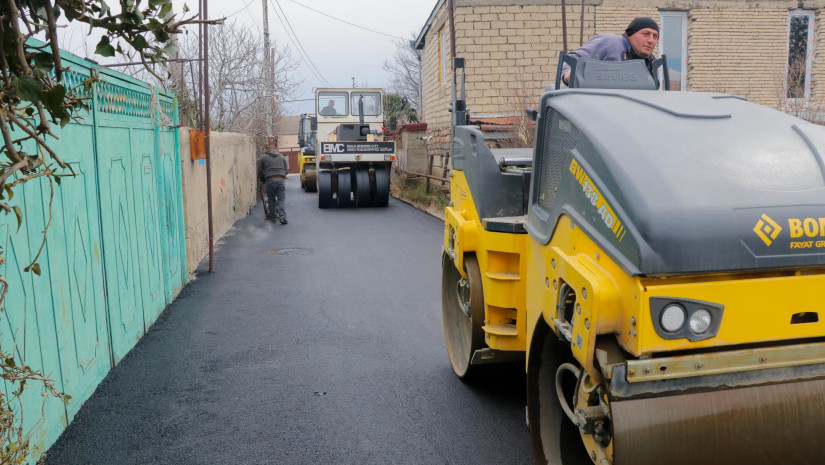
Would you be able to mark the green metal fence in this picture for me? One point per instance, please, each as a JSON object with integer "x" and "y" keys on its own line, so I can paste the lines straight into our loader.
{"x": 115, "y": 250}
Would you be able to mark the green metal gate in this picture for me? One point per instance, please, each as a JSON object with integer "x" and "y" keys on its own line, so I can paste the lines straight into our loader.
{"x": 115, "y": 251}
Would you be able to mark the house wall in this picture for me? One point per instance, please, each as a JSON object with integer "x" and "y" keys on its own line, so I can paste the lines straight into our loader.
{"x": 436, "y": 96}
{"x": 233, "y": 190}
{"x": 511, "y": 51}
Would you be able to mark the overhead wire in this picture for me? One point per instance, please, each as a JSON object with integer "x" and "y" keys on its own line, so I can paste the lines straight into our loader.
{"x": 297, "y": 42}
{"x": 245, "y": 7}
{"x": 346, "y": 22}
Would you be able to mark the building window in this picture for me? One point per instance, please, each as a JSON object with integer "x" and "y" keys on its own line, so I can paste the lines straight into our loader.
{"x": 800, "y": 40}
{"x": 673, "y": 43}
{"x": 443, "y": 58}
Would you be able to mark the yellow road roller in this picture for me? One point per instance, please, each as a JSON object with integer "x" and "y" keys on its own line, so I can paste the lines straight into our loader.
{"x": 658, "y": 262}
{"x": 307, "y": 130}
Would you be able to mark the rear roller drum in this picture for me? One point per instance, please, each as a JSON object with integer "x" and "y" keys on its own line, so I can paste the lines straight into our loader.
{"x": 361, "y": 178}
{"x": 310, "y": 180}
{"x": 325, "y": 189}
{"x": 344, "y": 188}
{"x": 462, "y": 306}
{"x": 382, "y": 186}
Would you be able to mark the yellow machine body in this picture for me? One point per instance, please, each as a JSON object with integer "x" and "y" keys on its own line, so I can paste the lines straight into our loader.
{"x": 764, "y": 334}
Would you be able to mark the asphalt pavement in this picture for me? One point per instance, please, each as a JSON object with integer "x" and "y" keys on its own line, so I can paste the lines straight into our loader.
{"x": 316, "y": 342}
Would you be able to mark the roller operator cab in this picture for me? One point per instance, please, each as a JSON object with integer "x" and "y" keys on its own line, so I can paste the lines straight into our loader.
{"x": 658, "y": 262}
{"x": 352, "y": 159}
{"x": 306, "y": 157}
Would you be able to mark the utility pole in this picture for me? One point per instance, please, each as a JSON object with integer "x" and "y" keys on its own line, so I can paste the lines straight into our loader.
{"x": 207, "y": 134}
{"x": 269, "y": 77}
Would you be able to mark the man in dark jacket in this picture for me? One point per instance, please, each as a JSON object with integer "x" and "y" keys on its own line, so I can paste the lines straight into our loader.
{"x": 637, "y": 43}
{"x": 272, "y": 170}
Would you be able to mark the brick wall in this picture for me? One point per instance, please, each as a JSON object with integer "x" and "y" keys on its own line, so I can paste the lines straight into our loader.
{"x": 436, "y": 96}
{"x": 511, "y": 51}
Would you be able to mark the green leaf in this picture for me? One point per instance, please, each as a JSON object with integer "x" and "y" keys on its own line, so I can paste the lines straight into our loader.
{"x": 28, "y": 88}
{"x": 53, "y": 100}
{"x": 43, "y": 62}
{"x": 57, "y": 179}
{"x": 36, "y": 269}
{"x": 165, "y": 9}
{"x": 139, "y": 42}
{"x": 19, "y": 214}
{"x": 9, "y": 192}
{"x": 104, "y": 48}
{"x": 160, "y": 35}
{"x": 185, "y": 8}
{"x": 10, "y": 362}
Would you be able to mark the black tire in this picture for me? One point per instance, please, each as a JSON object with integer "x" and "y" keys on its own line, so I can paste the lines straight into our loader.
{"x": 344, "y": 188}
{"x": 325, "y": 189}
{"x": 556, "y": 440}
{"x": 462, "y": 334}
{"x": 382, "y": 186}
{"x": 361, "y": 180}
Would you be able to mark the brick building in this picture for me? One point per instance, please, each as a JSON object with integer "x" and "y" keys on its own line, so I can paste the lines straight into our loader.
{"x": 511, "y": 49}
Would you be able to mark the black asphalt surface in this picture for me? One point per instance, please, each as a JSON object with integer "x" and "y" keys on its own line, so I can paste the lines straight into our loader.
{"x": 316, "y": 342}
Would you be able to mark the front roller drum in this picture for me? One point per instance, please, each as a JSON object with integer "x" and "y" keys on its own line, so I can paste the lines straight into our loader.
{"x": 556, "y": 439}
{"x": 325, "y": 189}
{"x": 773, "y": 424}
{"x": 769, "y": 424}
{"x": 310, "y": 180}
{"x": 462, "y": 307}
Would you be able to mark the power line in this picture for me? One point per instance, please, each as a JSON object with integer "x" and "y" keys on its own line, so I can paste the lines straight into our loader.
{"x": 300, "y": 48}
{"x": 245, "y": 7}
{"x": 346, "y": 22}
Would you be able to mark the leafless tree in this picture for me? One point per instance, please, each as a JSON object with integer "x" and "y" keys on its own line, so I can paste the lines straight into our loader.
{"x": 404, "y": 68}
{"x": 239, "y": 80}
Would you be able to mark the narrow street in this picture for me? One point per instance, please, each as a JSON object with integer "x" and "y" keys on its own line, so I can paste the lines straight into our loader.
{"x": 316, "y": 342}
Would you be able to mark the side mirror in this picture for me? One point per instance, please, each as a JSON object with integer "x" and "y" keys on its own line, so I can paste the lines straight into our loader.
{"x": 393, "y": 123}
{"x": 313, "y": 123}
{"x": 532, "y": 114}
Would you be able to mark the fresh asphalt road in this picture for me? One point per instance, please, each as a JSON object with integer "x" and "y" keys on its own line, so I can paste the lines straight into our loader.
{"x": 316, "y": 342}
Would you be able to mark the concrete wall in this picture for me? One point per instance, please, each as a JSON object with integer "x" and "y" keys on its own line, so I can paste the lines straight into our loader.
{"x": 412, "y": 152}
{"x": 233, "y": 189}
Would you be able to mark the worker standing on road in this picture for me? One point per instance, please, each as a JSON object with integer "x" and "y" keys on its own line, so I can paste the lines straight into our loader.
{"x": 272, "y": 170}
{"x": 637, "y": 43}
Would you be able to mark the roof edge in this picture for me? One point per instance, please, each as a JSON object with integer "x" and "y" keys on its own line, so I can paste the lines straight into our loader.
{"x": 418, "y": 43}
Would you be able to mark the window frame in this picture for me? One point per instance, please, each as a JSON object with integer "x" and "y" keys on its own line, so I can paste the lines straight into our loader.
{"x": 354, "y": 103}
{"x": 328, "y": 95}
{"x": 443, "y": 61}
{"x": 811, "y": 15}
{"x": 683, "y": 16}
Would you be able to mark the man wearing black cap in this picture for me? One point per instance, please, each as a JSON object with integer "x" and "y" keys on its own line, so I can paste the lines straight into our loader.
{"x": 637, "y": 43}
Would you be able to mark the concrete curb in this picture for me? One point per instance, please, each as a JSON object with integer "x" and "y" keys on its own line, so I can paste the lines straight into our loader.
{"x": 428, "y": 209}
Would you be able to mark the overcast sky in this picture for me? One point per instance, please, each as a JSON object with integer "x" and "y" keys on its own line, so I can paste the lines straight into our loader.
{"x": 339, "y": 51}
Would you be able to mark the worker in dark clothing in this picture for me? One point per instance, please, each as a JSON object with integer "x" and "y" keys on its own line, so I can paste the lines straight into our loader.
{"x": 272, "y": 170}
{"x": 637, "y": 43}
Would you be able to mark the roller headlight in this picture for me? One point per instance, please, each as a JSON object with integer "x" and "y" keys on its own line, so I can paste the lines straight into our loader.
{"x": 700, "y": 321}
{"x": 678, "y": 318}
{"x": 673, "y": 318}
